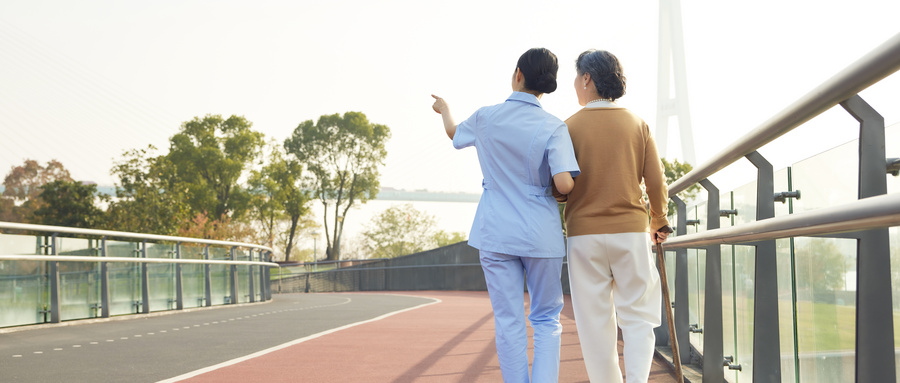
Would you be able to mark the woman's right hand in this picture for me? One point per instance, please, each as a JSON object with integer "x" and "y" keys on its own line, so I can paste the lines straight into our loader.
{"x": 440, "y": 106}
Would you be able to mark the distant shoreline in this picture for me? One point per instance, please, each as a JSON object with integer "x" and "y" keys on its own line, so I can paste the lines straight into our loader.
{"x": 386, "y": 194}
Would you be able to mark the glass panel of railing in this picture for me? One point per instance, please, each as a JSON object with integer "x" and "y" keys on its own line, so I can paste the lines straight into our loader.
{"x": 696, "y": 281}
{"x": 193, "y": 276}
{"x": 23, "y": 284}
{"x": 826, "y": 269}
{"x": 744, "y": 293}
{"x": 895, "y": 289}
{"x": 729, "y": 334}
{"x": 79, "y": 282}
{"x": 827, "y": 179}
{"x": 243, "y": 276}
{"x": 826, "y": 308}
{"x": 783, "y": 184}
{"x": 254, "y": 276}
{"x": 220, "y": 276}
{"x": 892, "y": 150}
{"x": 161, "y": 277}
{"x": 743, "y": 277}
{"x": 787, "y": 309}
{"x": 729, "y": 328}
{"x": 786, "y": 286}
{"x": 124, "y": 278}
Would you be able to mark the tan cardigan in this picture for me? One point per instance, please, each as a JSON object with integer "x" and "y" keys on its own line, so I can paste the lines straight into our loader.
{"x": 615, "y": 152}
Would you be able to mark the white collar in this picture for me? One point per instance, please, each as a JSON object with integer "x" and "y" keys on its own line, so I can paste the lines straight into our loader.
{"x": 601, "y": 104}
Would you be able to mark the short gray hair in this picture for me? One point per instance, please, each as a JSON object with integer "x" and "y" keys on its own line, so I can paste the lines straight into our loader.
{"x": 605, "y": 70}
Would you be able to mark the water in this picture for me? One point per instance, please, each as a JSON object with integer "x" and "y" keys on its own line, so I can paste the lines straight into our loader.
{"x": 449, "y": 217}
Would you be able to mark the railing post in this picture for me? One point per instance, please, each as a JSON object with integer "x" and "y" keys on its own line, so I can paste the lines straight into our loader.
{"x": 262, "y": 277}
{"x": 207, "y": 278}
{"x": 179, "y": 279}
{"x": 250, "y": 278}
{"x": 713, "y": 347}
{"x": 53, "y": 271}
{"x": 145, "y": 280}
{"x": 234, "y": 278}
{"x": 104, "y": 281}
{"x": 682, "y": 307}
{"x": 766, "y": 334}
{"x": 268, "y": 281}
{"x": 874, "y": 317}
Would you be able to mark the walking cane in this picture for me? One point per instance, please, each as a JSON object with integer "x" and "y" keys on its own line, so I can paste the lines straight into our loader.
{"x": 661, "y": 260}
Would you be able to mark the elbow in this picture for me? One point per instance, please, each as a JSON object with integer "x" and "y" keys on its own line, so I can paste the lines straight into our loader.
{"x": 566, "y": 186}
{"x": 563, "y": 182}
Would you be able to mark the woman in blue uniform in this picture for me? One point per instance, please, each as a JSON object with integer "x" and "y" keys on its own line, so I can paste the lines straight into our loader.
{"x": 521, "y": 149}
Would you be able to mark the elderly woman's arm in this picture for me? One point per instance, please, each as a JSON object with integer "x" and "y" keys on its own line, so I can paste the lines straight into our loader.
{"x": 657, "y": 192}
{"x": 563, "y": 182}
{"x": 440, "y": 106}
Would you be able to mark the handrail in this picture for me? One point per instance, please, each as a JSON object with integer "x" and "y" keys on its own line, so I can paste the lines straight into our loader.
{"x": 868, "y": 213}
{"x": 82, "y": 258}
{"x": 123, "y": 234}
{"x": 871, "y": 68}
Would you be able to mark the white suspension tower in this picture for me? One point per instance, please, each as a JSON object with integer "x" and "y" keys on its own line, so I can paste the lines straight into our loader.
{"x": 671, "y": 65}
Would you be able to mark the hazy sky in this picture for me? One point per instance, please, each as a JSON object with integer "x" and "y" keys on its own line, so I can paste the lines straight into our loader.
{"x": 83, "y": 81}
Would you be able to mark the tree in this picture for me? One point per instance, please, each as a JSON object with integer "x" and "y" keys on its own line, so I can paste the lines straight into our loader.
{"x": 675, "y": 170}
{"x": 402, "y": 230}
{"x": 276, "y": 193}
{"x": 821, "y": 267}
{"x": 69, "y": 203}
{"x": 442, "y": 238}
{"x": 209, "y": 156}
{"x": 148, "y": 199}
{"x": 342, "y": 155}
{"x": 23, "y": 185}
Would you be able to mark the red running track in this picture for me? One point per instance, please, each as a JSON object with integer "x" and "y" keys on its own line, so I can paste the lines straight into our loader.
{"x": 448, "y": 341}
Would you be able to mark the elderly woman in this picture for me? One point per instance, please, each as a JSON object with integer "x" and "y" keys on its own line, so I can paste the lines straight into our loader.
{"x": 612, "y": 275}
{"x": 517, "y": 229}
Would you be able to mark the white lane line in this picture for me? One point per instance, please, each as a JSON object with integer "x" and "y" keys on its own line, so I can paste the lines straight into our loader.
{"x": 293, "y": 342}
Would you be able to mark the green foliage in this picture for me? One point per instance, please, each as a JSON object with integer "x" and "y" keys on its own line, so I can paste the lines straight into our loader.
{"x": 675, "y": 170}
{"x": 23, "y": 185}
{"x": 820, "y": 265}
{"x": 442, "y": 238}
{"x": 209, "y": 156}
{"x": 146, "y": 201}
{"x": 402, "y": 230}
{"x": 277, "y": 194}
{"x": 69, "y": 203}
{"x": 342, "y": 154}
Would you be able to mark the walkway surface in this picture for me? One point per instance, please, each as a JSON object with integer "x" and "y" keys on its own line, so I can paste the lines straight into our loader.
{"x": 421, "y": 336}
{"x": 447, "y": 341}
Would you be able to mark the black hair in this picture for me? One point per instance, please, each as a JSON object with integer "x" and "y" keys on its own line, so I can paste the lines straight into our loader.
{"x": 539, "y": 67}
{"x": 605, "y": 70}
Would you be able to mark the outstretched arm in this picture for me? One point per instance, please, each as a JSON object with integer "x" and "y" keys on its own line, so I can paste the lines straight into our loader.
{"x": 440, "y": 106}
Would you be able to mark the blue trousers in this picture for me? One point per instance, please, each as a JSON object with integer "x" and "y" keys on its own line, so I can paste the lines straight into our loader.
{"x": 505, "y": 275}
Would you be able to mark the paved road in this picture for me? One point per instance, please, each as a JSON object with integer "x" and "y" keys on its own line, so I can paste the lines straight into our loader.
{"x": 158, "y": 347}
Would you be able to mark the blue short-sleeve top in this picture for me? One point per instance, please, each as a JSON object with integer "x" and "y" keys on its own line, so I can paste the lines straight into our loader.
{"x": 520, "y": 148}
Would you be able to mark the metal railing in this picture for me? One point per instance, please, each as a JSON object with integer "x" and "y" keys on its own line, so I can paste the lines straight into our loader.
{"x": 51, "y": 311}
{"x": 866, "y": 220}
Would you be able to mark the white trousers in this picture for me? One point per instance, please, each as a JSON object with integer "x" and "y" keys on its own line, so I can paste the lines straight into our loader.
{"x": 614, "y": 282}
{"x": 505, "y": 275}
